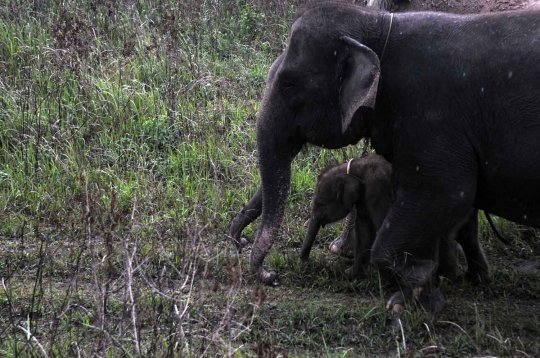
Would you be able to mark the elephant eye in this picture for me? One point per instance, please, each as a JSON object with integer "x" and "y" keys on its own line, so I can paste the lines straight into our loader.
{"x": 287, "y": 88}
{"x": 288, "y": 81}
{"x": 287, "y": 85}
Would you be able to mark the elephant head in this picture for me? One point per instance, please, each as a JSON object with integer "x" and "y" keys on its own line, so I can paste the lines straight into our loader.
{"x": 335, "y": 195}
{"x": 320, "y": 91}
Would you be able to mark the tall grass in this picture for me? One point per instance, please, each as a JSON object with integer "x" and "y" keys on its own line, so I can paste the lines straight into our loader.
{"x": 127, "y": 137}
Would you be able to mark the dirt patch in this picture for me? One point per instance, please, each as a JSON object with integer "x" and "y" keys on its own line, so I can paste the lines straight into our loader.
{"x": 529, "y": 266}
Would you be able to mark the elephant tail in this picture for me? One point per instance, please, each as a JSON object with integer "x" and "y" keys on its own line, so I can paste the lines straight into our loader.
{"x": 496, "y": 231}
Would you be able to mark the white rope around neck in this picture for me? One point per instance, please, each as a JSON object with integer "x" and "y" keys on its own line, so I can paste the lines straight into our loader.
{"x": 388, "y": 35}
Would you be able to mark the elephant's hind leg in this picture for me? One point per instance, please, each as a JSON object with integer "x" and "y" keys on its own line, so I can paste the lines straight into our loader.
{"x": 477, "y": 265}
{"x": 467, "y": 237}
{"x": 364, "y": 236}
{"x": 406, "y": 250}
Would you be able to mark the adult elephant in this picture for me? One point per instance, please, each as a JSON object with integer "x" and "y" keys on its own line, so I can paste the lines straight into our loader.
{"x": 452, "y": 101}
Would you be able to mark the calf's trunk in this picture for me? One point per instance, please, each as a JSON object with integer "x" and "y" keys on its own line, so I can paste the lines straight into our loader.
{"x": 313, "y": 230}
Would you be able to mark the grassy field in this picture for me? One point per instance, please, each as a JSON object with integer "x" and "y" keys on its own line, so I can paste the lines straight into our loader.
{"x": 127, "y": 145}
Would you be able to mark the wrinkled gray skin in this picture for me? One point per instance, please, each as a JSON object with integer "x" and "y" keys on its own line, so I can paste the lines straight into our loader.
{"x": 455, "y": 112}
{"x": 368, "y": 188}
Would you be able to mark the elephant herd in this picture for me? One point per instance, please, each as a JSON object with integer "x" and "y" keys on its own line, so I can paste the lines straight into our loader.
{"x": 451, "y": 104}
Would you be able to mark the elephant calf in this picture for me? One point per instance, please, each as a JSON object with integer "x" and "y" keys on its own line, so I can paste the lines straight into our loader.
{"x": 365, "y": 183}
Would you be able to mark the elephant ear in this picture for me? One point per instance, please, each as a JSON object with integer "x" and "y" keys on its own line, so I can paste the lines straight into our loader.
{"x": 347, "y": 191}
{"x": 360, "y": 80}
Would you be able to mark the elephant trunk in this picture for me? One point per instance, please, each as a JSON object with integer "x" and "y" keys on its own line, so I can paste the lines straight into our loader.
{"x": 277, "y": 148}
{"x": 313, "y": 230}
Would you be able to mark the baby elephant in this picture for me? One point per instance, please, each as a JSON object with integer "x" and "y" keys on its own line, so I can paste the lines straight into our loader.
{"x": 365, "y": 183}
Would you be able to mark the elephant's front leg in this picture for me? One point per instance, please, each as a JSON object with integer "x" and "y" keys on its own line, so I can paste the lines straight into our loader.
{"x": 365, "y": 235}
{"x": 249, "y": 213}
{"x": 407, "y": 245}
{"x": 344, "y": 244}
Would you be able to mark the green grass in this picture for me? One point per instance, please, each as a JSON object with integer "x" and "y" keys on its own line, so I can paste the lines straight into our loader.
{"x": 126, "y": 146}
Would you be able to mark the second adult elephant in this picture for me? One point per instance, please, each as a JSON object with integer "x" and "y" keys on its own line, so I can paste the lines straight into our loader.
{"x": 452, "y": 101}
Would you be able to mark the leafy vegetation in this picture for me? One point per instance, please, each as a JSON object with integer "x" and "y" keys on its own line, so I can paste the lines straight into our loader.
{"x": 127, "y": 144}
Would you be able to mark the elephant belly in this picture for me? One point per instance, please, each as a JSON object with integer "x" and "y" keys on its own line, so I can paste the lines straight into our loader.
{"x": 508, "y": 182}
{"x": 518, "y": 201}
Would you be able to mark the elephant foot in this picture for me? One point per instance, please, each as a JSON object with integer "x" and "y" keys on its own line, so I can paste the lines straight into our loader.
{"x": 482, "y": 278}
{"x": 431, "y": 301}
{"x": 269, "y": 278}
{"x": 238, "y": 224}
{"x": 342, "y": 247}
{"x": 396, "y": 303}
{"x": 451, "y": 276}
{"x": 478, "y": 272}
{"x": 355, "y": 274}
{"x": 241, "y": 243}
{"x": 304, "y": 256}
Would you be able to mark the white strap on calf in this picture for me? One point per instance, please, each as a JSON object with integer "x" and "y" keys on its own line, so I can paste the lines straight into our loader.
{"x": 349, "y": 166}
